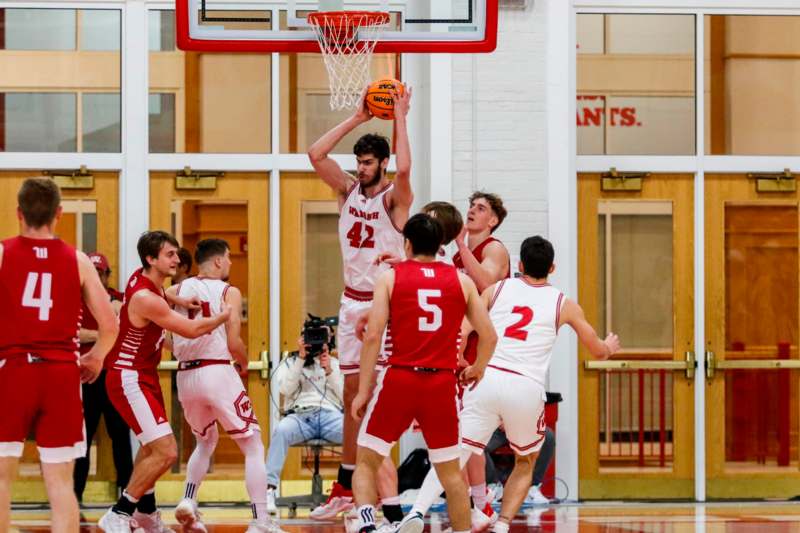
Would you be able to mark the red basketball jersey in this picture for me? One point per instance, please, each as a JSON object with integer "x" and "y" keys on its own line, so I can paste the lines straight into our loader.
{"x": 40, "y": 288}
{"x": 89, "y": 321}
{"x": 471, "y": 350}
{"x": 425, "y": 314}
{"x": 136, "y": 348}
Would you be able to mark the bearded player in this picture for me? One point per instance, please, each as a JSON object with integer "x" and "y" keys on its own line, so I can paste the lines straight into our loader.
{"x": 372, "y": 213}
{"x": 43, "y": 282}
{"x": 132, "y": 379}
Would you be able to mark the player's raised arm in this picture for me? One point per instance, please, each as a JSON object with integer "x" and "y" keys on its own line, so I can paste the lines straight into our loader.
{"x": 478, "y": 316}
{"x": 328, "y": 169}
{"x": 150, "y": 307}
{"x": 401, "y": 196}
{"x": 370, "y": 349}
{"x": 492, "y": 268}
{"x": 96, "y": 298}
{"x": 572, "y": 314}
{"x": 233, "y": 328}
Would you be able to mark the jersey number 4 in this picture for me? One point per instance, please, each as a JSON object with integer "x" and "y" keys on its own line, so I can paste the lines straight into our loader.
{"x": 44, "y": 302}
{"x": 434, "y": 321}
{"x": 517, "y": 330}
{"x": 357, "y": 240}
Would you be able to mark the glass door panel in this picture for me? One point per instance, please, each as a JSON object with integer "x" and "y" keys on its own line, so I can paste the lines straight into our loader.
{"x": 636, "y": 261}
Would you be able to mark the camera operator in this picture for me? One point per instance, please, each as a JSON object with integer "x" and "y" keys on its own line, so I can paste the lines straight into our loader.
{"x": 311, "y": 386}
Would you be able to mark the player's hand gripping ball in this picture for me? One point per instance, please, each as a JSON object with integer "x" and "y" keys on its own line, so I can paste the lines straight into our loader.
{"x": 380, "y": 99}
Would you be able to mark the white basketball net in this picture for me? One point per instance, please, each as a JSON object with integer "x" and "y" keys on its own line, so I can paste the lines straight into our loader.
{"x": 347, "y": 40}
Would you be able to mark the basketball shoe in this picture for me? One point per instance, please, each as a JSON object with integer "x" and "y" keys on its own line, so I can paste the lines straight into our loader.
{"x": 411, "y": 523}
{"x": 536, "y": 497}
{"x": 264, "y": 526}
{"x": 481, "y": 519}
{"x": 112, "y": 522}
{"x": 272, "y": 507}
{"x": 188, "y": 517}
{"x": 149, "y": 523}
{"x": 340, "y": 500}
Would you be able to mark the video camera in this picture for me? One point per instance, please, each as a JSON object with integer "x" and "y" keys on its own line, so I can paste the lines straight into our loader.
{"x": 318, "y": 332}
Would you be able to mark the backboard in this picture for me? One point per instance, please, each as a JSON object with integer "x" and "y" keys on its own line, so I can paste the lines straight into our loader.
{"x": 421, "y": 26}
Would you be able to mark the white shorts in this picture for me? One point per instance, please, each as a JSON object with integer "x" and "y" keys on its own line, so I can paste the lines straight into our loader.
{"x": 348, "y": 346}
{"x": 509, "y": 398}
{"x": 212, "y": 394}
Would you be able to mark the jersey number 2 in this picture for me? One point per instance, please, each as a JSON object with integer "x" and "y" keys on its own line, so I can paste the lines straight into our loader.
{"x": 435, "y": 322}
{"x": 516, "y": 330}
{"x": 44, "y": 302}
{"x": 354, "y": 235}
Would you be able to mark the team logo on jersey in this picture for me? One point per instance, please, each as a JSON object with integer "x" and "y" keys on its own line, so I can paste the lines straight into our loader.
{"x": 428, "y": 273}
{"x": 41, "y": 253}
{"x": 359, "y": 213}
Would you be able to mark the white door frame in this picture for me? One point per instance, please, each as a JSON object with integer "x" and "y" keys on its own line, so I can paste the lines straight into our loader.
{"x": 563, "y": 166}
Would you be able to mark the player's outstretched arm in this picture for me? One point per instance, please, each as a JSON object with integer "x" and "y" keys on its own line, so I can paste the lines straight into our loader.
{"x": 401, "y": 196}
{"x": 174, "y": 299}
{"x": 150, "y": 307}
{"x": 572, "y": 314}
{"x": 378, "y": 318}
{"x": 233, "y": 328}
{"x": 478, "y": 316}
{"x": 325, "y": 167}
{"x": 487, "y": 272}
{"x": 96, "y": 298}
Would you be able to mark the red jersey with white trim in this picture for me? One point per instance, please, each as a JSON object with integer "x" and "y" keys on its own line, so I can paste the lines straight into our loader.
{"x": 425, "y": 314}
{"x": 365, "y": 231}
{"x": 525, "y": 317}
{"x": 89, "y": 322}
{"x": 40, "y": 288}
{"x": 471, "y": 350}
{"x": 137, "y": 348}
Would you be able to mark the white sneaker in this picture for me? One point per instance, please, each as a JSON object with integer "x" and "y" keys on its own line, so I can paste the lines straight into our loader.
{"x": 264, "y": 526}
{"x": 496, "y": 489}
{"x": 188, "y": 517}
{"x": 351, "y": 521}
{"x": 114, "y": 522}
{"x": 388, "y": 527}
{"x": 149, "y": 523}
{"x": 411, "y": 523}
{"x": 535, "y": 496}
{"x": 272, "y": 507}
{"x": 480, "y": 522}
{"x": 340, "y": 500}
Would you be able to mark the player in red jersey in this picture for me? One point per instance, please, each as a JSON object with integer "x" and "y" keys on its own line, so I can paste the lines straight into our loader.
{"x": 424, "y": 302}
{"x": 42, "y": 283}
{"x": 132, "y": 378}
{"x": 486, "y": 260}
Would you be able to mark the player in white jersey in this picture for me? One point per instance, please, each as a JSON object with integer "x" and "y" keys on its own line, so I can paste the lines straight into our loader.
{"x": 372, "y": 213}
{"x": 211, "y": 391}
{"x": 527, "y": 313}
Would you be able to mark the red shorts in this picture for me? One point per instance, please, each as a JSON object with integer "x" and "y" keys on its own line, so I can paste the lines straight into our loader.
{"x": 45, "y": 400}
{"x": 403, "y": 395}
{"x": 136, "y": 395}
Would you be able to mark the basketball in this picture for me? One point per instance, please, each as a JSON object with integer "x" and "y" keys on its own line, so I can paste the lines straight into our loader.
{"x": 379, "y": 97}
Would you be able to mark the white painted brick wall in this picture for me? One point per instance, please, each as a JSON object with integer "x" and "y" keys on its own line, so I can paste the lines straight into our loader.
{"x": 499, "y": 142}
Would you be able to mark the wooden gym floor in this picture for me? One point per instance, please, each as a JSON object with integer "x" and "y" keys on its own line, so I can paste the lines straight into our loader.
{"x": 733, "y": 517}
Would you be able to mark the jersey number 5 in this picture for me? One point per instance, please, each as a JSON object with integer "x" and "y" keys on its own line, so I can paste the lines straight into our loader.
{"x": 44, "y": 302}
{"x": 516, "y": 330}
{"x": 355, "y": 237}
{"x": 435, "y": 322}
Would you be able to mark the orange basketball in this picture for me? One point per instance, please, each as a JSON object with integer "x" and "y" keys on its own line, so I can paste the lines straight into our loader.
{"x": 379, "y": 97}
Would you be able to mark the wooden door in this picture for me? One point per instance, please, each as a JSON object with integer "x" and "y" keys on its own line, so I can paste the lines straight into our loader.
{"x": 635, "y": 277}
{"x": 90, "y": 221}
{"x": 237, "y": 211}
{"x": 752, "y": 333}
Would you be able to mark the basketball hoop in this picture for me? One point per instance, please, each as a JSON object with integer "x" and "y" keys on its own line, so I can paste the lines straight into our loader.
{"x": 347, "y": 40}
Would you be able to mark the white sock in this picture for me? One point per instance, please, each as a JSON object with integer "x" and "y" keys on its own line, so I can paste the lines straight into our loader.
{"x": 199, "y": 462}
{"x": 478, "y": 493}
{"x": 366, "y": 516}
{"x": 255, "y": 475}
{"x": 431, "y": 488}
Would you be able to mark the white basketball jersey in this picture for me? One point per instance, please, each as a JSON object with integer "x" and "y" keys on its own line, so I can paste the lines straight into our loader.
{"x": 525, "y": 317}
{"x": 213, "y": 345}
{"x": 365, "y": 231}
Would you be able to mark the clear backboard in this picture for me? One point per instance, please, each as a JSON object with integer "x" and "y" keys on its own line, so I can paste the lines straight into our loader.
{"x": 422, "y": 26}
